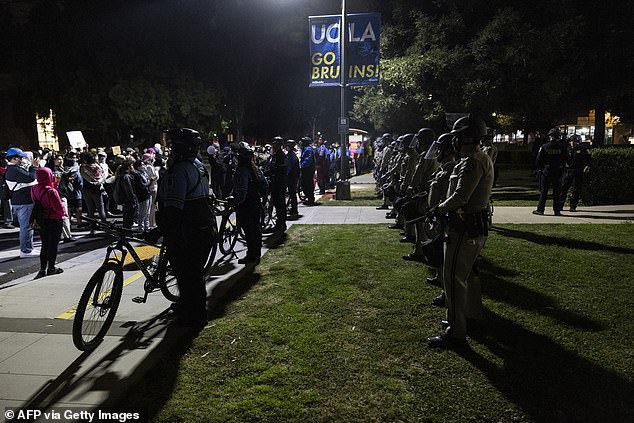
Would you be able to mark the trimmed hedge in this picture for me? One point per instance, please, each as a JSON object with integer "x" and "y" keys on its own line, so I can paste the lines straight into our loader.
{"x": 611, "y": 177}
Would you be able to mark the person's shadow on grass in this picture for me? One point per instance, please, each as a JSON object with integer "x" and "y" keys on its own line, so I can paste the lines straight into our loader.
{"x": 547, "y": 381}
{"x": 562, "y": 242}
{"x": 494, "y": 286}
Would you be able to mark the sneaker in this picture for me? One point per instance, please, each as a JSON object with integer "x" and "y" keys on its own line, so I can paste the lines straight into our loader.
{"x": 8, "y": 226}
{"x": 537, "y": 212}
{"x": 54, "y": 271}
{"x": 40, "y": 274}
{"x": 31, "y": 254}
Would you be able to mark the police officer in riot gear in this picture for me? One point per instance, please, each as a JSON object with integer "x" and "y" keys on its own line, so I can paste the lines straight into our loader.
{"x": 185, "y": 220}
{"x": 307, "y": 171}
{"x": 277, "y": 173}
{"x": 246, "y": 198}
{"x": 577, "y": 163}
{"x": 550, "y": 164}
{"x": 293, "y": 178}
{"x": 469, "y": 191}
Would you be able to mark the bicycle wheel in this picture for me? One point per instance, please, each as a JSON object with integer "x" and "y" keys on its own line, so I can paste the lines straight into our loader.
{"x": 166, "y": 278}
{"x": 209, "y": 262}
{"x": 229, "y": 232}
{"x": 97, "y": 306}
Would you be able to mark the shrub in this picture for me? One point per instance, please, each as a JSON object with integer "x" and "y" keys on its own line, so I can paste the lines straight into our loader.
{"x": 611, "y": 177}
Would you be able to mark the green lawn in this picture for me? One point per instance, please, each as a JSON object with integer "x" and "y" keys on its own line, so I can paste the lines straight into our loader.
{"x": 332, "y": 327}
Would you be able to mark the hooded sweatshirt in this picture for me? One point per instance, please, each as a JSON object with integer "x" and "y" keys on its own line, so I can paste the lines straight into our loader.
{"x": 47, "y": 194}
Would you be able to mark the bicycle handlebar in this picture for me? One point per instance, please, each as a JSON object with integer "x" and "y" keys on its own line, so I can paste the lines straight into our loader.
{"x": 113, "y": 228}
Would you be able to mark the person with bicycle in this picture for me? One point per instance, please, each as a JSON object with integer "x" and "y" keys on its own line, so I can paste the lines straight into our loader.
{"x": 277, "y": 173}
{"x": 246, "y": 197}
{"x": 470, "y": 186}
{"x": 185, "y": 220}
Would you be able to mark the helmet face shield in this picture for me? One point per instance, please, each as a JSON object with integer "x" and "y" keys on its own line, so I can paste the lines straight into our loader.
{"x": 442, "y": 147}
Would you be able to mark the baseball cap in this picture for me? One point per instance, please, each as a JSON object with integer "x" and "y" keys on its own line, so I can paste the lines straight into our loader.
{"x": 13, "y": 151}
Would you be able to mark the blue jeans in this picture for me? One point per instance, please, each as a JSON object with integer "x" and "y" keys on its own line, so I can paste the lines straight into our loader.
{"x": 23, "y": 212}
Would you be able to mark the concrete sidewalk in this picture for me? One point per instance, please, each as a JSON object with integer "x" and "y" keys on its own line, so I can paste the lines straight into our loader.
{"x": 40, "y": 368}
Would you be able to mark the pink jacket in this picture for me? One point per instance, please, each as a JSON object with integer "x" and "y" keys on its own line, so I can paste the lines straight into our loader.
{"x": 47, "y": 194}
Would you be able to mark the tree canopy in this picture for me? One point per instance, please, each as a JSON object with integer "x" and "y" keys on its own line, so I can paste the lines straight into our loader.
{"x": 139, "y": 66}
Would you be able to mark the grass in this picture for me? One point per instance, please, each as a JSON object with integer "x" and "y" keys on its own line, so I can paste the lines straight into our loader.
{"x": 332, "y": 327}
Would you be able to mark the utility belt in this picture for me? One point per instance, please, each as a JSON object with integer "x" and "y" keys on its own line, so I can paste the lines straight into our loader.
{"x": 475, "y": 224}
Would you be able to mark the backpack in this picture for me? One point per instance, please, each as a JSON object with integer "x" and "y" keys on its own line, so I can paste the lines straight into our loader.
{"x": 262, "y": 184}
{"x": 37, "y": 214}
{"x": 5, "y": 192}
{"x": 118, "y": 193}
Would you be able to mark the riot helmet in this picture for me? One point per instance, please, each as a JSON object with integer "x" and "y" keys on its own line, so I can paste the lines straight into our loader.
{"x": 408, "y": 142}
{"x": 469, "y": 130}
{"x": 278, "y": 140}
{"x": 441, "y": 148}
{"x": 554, "y": 133}
{"x": 426, "y": 137}
{"x": 185, "y": 142}
{"x": 306, "y": 141}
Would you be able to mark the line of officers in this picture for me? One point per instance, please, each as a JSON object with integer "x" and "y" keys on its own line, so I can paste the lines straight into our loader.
{"x": 561, "y": 165}
{"x": 448, "y": 180}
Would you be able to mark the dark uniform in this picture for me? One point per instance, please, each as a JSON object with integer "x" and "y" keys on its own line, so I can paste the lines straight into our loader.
{"x": 186, "y": 223}
{"x": 248, "y": 202}
{"x": 293, "y": 177}
{"x": 307, "y": 166}
{"x": 578, "y": 161}
{"x": 278, "y": 179}
{"x": 550, "y": 164}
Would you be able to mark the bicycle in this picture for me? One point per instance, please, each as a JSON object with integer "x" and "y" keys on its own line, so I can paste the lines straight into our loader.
{"x": 100, "y": 299}
{"x": 229, "y": 230}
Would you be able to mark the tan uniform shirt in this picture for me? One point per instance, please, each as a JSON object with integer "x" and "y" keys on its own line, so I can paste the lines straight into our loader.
{"x": 388, "y": 152}
{"x": 470, "y": 183}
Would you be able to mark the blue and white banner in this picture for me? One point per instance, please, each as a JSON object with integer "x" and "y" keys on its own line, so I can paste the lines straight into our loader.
{"x": 363, "y": 42}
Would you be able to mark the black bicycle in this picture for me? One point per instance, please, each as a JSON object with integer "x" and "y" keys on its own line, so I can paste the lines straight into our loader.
{"x": 100, "y": 300}
{"x": 229, "y": 230}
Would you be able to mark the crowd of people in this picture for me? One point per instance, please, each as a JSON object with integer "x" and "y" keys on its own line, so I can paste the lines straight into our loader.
{"x": 444, "y": 182}
{"x": 69, "y": 184}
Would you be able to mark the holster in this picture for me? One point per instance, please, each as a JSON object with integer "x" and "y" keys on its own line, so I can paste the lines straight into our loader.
{"x": 475, "y": 224}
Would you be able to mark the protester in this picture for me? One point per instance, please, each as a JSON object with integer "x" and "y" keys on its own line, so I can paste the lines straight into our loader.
{"x": 5, "y": 201}
{"x": 143, "y": 195}
{"x": 53, "y": 213}
{"x": 93, "y": 178}
{"x": 124, "y": 190}
{"x": 20, "y": 178}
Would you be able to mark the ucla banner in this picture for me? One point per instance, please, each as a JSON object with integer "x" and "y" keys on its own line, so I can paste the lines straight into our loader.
{"x": 362, "y": 59}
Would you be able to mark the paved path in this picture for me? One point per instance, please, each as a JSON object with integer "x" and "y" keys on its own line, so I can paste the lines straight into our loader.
{"x": 40, "y": 368}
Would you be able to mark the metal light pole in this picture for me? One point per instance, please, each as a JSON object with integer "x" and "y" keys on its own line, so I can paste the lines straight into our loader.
{"x": 343, "y": 185}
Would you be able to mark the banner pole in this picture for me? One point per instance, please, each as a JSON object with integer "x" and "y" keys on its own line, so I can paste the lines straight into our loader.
{"x": 343, "y": 186}
{"x": 342, "y": 54}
